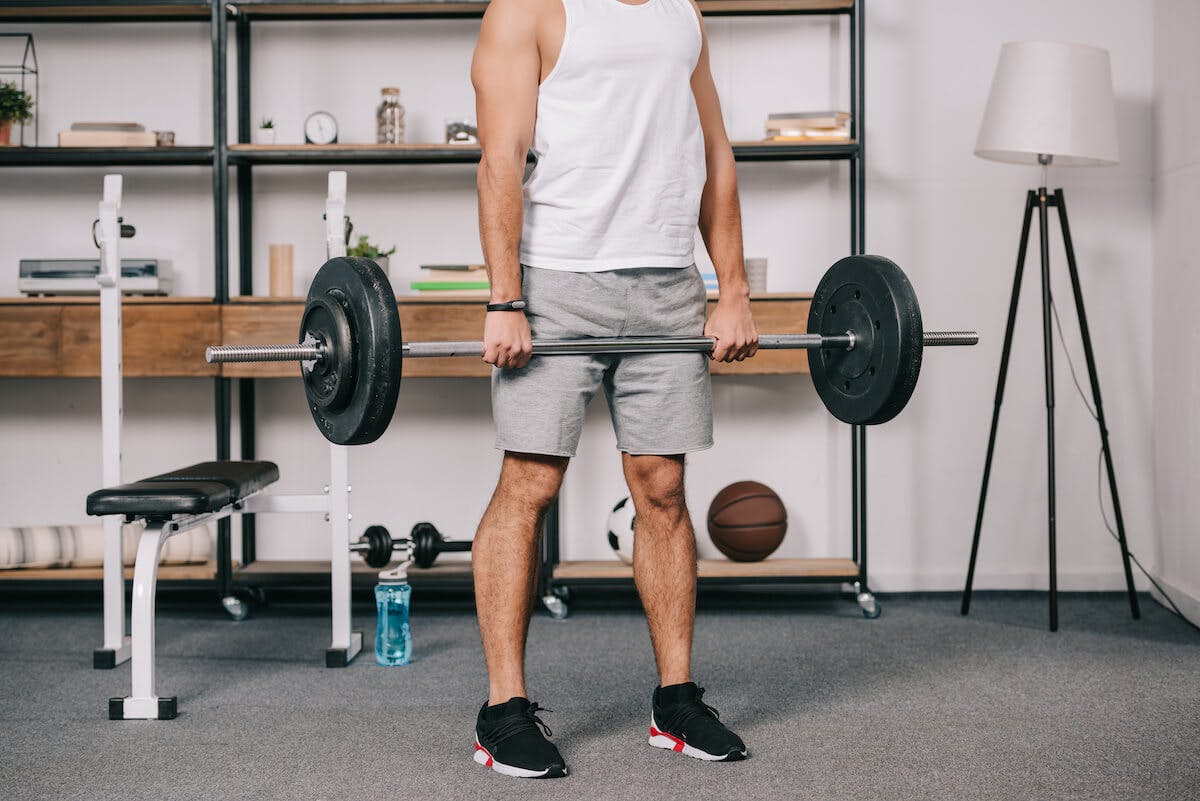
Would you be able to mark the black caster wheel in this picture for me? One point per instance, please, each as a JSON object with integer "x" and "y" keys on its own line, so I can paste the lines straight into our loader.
{"x": 556, "y": 606}
{"x": 237, "y": 608}
{"x": 867, "y": 602}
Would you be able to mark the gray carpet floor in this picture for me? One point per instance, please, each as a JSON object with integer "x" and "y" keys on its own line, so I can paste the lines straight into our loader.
{"x": 920, "y": 704}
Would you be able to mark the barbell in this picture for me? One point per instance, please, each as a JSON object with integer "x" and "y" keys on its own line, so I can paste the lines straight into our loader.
{"x": 864, "y": 320}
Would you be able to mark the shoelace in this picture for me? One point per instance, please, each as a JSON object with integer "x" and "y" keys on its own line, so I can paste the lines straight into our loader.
{"x": 687, "y": 711}
{"x": 521, "y": 722}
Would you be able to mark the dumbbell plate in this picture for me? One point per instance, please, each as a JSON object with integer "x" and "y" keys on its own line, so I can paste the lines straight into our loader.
{"x": 359, "y": 408}
{"x": 872, "y": 297}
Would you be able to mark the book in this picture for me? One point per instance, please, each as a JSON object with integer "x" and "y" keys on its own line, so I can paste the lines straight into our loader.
{"x": 808, "y": 119}
{"x": 127, "y": 127}
{"x": 808, "y": 138}
{"x": 436, "y": 286}
{"x": 106, "y": 139}
{"x": 470, "y": 276}
{"x": 482, "y": 294}
{"x": 809, "y": 132}
{"x": 458, "y": 268}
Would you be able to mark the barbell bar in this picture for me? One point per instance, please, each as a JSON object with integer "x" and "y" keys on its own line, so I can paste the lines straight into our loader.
{"x": 864, "y": 322}
{"x": 222, "y": 354}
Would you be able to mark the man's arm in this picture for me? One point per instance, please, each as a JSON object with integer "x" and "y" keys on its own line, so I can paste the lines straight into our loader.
{"x": 505, "y": 73}
{"x": 721, "y": 222}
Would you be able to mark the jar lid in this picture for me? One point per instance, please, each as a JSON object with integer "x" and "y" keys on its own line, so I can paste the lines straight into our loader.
{"x": 391, "y": 90}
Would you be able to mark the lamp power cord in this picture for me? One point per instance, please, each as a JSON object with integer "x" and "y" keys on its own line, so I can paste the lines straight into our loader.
{"x": 1099, "y": 472}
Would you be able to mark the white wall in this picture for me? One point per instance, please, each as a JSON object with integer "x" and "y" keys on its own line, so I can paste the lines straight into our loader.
{"x": 1176, "y": 306}
{"x": 951, "y": 220}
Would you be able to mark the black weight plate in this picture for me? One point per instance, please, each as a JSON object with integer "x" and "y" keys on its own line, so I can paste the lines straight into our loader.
{"x": 364, "y": 293}
{"x": 330, "y": 382}
{"x": 872, "y": 297}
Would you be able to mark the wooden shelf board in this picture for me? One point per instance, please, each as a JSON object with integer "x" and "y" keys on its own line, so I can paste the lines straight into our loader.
{"x": 94, "y": 300}
{"x": 96, "y": 10}
{"x": 248, "y": 322}
{"x": 403, "y": 300}
{"x": 274, "y": 568}
{"x": 297, "y": 147}
{"x": 834, "y": 568}
{"x": 205, "y": 571}
{"x": 447, "y": 8}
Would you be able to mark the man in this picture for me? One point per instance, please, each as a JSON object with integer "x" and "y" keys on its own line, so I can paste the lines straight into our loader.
{"x": 617, "y": 101}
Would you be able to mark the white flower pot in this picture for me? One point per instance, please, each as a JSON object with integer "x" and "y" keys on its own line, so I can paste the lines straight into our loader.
{"x": 264, "y": 136}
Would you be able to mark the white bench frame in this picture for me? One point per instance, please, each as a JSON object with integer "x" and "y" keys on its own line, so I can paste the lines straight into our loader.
{"x": 334, "y": 501}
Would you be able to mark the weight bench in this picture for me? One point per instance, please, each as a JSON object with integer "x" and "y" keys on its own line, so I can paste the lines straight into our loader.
{"x": 169, "y": 503}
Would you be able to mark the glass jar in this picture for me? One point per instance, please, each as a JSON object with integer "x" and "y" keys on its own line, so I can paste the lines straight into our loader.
{"x": 389, "y": 119}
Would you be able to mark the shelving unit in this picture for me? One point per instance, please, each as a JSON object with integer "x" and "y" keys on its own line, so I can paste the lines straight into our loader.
{"x": 243, "y": 157}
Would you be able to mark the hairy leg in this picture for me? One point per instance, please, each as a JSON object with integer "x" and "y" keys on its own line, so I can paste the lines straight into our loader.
{"x": 664, "y": 560}
{"x": 504, "y": 561}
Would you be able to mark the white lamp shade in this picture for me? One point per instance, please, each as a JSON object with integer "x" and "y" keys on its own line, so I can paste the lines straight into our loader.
{"x": 1050, "y": 98}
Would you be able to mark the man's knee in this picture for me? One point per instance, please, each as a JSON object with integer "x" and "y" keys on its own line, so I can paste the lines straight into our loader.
{"x": 530, "y": 481}
{"x": 656, "y": 484}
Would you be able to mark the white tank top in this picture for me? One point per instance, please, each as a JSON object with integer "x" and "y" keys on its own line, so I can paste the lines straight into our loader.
{"x": 620, "y": 153}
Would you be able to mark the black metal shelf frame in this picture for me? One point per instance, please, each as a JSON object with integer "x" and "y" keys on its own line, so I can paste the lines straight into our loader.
{"x": 244, "y": 160}
{"x": 218, "y": 14}
{"x": 106, "y": 156}
{"x": 457, "y": 154}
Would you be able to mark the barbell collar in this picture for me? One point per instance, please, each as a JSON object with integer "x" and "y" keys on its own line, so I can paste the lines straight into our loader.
{"x": 221, "y": 354}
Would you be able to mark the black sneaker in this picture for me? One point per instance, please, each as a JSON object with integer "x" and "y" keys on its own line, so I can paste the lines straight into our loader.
{"x": 685, "y": 724}
{"x": 509, "y": 739}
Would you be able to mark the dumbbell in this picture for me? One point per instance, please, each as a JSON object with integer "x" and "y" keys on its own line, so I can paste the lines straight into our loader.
{"x": 425, "y": 542}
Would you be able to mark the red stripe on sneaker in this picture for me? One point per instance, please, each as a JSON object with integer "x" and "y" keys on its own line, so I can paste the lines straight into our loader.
{"x": 654, "y": 732}
{"x": 479, "y": 747}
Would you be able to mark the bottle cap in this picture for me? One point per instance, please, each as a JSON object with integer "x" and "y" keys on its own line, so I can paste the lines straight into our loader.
{"x": 391, "y": 90}
{"x": 397, "y": 574}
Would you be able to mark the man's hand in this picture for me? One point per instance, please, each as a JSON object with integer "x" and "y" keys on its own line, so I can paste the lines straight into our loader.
{"x": 732, "y": 325}
{"x": 507, "y": 342}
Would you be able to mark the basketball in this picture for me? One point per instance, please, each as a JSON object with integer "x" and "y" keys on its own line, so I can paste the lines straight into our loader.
{"x": 747, "y": 521}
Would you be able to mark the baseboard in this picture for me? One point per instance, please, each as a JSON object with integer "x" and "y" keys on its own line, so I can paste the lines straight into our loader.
{"x": 1188, "y": 604}
{"x": 952, "y": 581}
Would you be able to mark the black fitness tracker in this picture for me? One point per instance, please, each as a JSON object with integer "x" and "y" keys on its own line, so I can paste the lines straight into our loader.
{"x": 508, "y": 305}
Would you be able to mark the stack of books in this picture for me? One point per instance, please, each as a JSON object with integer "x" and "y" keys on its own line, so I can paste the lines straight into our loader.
{"x": 452, "y": 280}
{"x": 106, "y": 134}
{"x": 808, "y": 126}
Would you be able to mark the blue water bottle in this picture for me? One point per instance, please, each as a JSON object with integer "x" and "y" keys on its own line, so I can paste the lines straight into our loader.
{"x": 393, "y": 637}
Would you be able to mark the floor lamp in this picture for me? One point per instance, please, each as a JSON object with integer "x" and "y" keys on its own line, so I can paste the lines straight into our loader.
{"x": 1050, "y": 103}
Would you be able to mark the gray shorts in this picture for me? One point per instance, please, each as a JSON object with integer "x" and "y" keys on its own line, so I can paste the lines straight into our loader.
{"x": 661, "y": 403}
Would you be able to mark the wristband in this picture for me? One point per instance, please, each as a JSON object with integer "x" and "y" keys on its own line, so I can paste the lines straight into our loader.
{"x": 508, "y": 305}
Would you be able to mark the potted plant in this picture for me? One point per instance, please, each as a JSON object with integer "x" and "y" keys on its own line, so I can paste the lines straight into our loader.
{"x": 365, "y": 249}
{"x": 15, "y": 106}
{"x": 265, "y": 135}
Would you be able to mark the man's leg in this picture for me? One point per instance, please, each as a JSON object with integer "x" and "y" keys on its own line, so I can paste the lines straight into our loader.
{"x": 664, "y": 567}
{"x": 664, "y": 560}
{"x": 504, "y": 559}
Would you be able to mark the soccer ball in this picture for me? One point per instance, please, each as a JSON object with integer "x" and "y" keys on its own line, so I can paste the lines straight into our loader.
{"x": 620, "y": 530}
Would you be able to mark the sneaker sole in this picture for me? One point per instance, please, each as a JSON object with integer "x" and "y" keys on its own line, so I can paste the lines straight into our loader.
{"x": 660, "y": 739}
{"x": 483, "y": 757}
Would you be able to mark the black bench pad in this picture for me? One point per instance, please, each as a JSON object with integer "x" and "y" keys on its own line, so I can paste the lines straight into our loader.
{"x": 198, "y": 489}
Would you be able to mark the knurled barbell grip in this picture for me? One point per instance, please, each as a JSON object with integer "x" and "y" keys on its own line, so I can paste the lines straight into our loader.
{"x": 219, "y": 354}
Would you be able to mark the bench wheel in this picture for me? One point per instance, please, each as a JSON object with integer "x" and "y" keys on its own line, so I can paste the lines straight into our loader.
{"x": 242, "y": 600}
